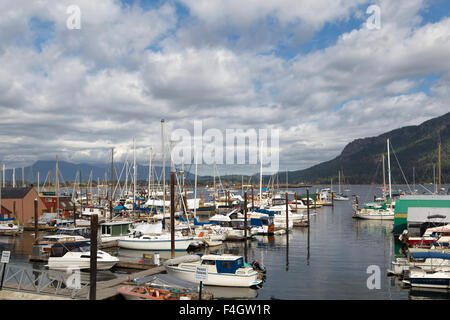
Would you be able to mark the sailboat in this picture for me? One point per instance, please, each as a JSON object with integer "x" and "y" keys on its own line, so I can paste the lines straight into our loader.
{"x": 340, "y": 196}
{"x": 378, "y": 210}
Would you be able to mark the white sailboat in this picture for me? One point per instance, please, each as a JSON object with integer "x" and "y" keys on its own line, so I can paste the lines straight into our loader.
{"x": 378, "y": 210}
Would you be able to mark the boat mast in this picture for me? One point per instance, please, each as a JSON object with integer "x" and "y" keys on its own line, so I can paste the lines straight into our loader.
{"x": 389, "y": 169}
{"x": 3, "y": 175}
{"x": 260, "y": 172}
{"x": 134, "y": 172}
{"x": 57, "y": 187}
{"x": 195, "y": 190}
{"x": 384, "y": 179}
{"x": 14, "y": 177}
{"x": 214, "y": 196}
{"x": 339, "y": 172}
{"x": 163, "y": 168}
{"x": 149, "y": 173}
{"x": 439, "y": 168}
{"x": 112, "y": 184}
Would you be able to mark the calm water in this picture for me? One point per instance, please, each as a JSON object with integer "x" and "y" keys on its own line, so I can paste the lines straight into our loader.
{"x": 332, "y": 264}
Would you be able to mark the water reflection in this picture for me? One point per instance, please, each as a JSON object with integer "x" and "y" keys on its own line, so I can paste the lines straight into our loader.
{"x": 232, "y": 293}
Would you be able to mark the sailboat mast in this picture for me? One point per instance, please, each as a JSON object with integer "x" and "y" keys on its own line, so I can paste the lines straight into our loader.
{"x": 134, "y": 172}
{"x": 339, "y": 172}
{"x": 214, "y": 196}
{"x": 195, "y": 190}
{"x": 260, "y": 171}
{"x": 439, "y": 168}
{"x": 57, "y": 186}
{"x": 389, "y": 169}
{"x": 384, "y": 179}
{"x": 149, "y": 173}
{"x": 163, "y": 168}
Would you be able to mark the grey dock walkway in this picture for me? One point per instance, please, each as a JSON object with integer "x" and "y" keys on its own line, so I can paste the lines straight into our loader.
{"x": 108, "y": 289}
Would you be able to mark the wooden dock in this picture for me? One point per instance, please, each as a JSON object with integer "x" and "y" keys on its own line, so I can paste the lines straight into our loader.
{"x": 108, "y": 289}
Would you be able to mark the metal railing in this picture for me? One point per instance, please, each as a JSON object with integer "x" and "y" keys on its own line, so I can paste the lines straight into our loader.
{"x": 45, "y": 282}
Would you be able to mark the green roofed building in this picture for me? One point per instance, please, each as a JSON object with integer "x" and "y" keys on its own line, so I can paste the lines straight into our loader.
{"x": 418, "y": 212}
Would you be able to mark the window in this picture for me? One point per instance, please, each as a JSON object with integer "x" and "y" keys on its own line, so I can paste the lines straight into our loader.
{"x": 209, "y": 262}
{"x": 227, "y": 264}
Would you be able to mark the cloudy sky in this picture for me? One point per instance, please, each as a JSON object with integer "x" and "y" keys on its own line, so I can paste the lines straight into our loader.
{"x": 316, "y": 70}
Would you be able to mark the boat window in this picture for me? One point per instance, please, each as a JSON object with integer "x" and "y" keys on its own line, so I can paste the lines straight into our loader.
{"x": 240, "y": 262}
{"x": 209, "y": 262}
{"x": 227, "y": 264}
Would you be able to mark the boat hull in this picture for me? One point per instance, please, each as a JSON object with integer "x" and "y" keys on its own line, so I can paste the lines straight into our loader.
{"x": 160, "y": 245}
{"x": 216, "y": 279}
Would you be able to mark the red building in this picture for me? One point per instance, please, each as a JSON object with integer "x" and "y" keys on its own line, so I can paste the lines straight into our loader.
{"x": 5, "y": 213}
{"x": 51, "y": 203}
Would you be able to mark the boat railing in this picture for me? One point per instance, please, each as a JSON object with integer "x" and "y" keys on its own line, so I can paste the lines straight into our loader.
{"x": 22, "y": 279}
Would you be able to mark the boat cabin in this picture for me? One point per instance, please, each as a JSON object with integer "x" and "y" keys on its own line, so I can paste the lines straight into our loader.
{"x": 223, "y": 263}
{"x": 115, "y": 229}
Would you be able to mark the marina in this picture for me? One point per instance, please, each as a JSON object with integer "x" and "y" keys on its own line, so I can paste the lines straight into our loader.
{"x": 249, "y": 154}
{"x": 305, "y": 263}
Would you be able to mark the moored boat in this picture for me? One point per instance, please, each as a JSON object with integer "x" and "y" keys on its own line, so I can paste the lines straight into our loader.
{"x": 223, "y": 270}
{"x": 155, "y": 242}
{"x": 80, "y": 259}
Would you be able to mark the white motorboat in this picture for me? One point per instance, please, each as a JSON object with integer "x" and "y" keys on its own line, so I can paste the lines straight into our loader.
{"x": 223, "y": 270}
{"x": 155, "y": 242}
{"x": 49, "y": 242}
{"x": 9, "y": 229}
{"x": 375, "y": 211}
{"x": 423, "y": 279}
{"x": 81, "y": 259}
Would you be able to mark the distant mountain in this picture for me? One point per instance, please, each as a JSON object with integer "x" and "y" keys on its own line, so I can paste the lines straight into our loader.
{"x": 70, "y": 171}
{"x": 414, "y": 147}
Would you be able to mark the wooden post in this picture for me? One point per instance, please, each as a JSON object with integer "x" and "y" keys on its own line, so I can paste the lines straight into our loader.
{"x": 36, "y": 219}
{"x": 287, "y": 214}
{"x": 307, "y": 204}
{"x": 332, "y": 199}
{"x": 200, "y": 291}
{"x": 172, "y": 213}
{"x": 14, "y": 211}
{"x": 93, "y": 260}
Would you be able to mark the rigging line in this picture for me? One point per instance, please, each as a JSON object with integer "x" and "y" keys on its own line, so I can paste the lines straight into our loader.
{"x": 373, "y": 179}
{"x": 426, "y": 189}
{"x": 400, "y": 167}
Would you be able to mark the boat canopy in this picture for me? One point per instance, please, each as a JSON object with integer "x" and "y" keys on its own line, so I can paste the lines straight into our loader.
{"x": 265, "y": 211}
{"x": 429, "y": 254}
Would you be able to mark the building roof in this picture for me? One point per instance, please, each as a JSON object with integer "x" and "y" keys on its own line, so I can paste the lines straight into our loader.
{"x": 15, "y": 193}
